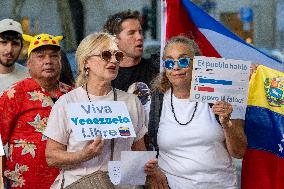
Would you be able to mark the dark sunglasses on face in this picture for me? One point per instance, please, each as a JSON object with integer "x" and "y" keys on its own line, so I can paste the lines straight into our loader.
{"x": 182, "y": 63}
{"x": 106, "y": 55}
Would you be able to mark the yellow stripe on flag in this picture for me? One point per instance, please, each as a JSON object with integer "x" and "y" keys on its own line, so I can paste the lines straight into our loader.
{"x": 266, "y": 89}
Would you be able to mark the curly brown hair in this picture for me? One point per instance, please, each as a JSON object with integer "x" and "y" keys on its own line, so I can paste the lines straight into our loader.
{"x": 161, "y": 83}
{"x": 113, "y": 23}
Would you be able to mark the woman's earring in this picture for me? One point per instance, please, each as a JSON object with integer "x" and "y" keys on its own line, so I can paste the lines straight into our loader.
{"x": 86, "y": 72}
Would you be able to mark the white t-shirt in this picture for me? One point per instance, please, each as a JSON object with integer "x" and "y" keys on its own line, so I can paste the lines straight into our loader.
{"x": 59, "y": 130}
{"x": 194, "y": 155}
{"x": 20, "y": 72}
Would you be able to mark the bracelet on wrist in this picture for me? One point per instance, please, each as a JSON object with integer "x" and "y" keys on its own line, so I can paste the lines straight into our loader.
{"x": 228, "y": 124}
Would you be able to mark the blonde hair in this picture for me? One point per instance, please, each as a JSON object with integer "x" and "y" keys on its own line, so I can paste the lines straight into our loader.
{"x": 92, "y": 44}
{"x": 161, "y": 83}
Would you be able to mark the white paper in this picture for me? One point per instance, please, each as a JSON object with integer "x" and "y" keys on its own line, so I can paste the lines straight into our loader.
{"x": 130, "y": 170}
{"x": 114, "y": 171}
{"x": 219, "y": 79}
{"x": 132, "y": 163}
{"x": 109, "y": 119}
{"x": 1, "y": 148}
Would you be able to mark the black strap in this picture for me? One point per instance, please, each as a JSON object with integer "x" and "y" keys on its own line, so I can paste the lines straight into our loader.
{"x": 112, "y": 140}
{"x": 63, "y": 181}
{"x": 154, "y": 119}
{"x": 114, "y": 94}
{"x": 112, "y": 149}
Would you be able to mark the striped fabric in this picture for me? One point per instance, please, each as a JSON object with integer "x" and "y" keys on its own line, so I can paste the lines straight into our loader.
{"x": 263, "y": 164}
{"x": 214, "y": 40}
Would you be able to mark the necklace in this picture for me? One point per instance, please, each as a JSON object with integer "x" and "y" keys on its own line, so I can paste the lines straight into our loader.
{"x": 112, "y": 140}
{"x": 113, "y": 89}
{"x": 173, "y": 110}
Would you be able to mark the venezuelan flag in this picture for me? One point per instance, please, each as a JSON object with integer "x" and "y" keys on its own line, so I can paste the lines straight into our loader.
{"x": 263, "y": 163}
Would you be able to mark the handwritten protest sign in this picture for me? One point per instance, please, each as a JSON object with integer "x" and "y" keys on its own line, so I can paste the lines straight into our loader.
{"x": 130, "y": 169}
{"x": 110, "y": 119}
{"x": 216, "y": 79}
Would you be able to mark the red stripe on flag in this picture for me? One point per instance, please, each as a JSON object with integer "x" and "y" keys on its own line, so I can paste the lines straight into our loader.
{"x": 208, "y": 89}
{"x": 179, "y": 23}
{"x": 262, "y": 169}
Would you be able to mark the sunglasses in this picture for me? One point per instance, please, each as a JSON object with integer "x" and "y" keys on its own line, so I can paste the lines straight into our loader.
{"x": 182, "y": 63}
{"x": 107, "y": 55}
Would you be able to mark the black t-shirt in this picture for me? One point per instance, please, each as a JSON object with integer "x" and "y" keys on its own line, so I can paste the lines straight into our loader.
{"x": 144, "y": 72}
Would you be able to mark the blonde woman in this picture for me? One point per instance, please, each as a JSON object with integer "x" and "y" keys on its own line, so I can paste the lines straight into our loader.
{"x": 98, "y": 59}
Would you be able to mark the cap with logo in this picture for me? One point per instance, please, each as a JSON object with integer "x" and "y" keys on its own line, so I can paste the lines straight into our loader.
{"x": 10, "y": 25}
{"x": 41, "y": 40}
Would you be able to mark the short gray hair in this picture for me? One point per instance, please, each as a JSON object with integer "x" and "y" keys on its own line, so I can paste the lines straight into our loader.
{"x": 184, "y": 40}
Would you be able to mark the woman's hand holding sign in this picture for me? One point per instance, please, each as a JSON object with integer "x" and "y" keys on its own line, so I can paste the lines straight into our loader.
{"x": 224, "y": 110}
{"x": 93, "y": 148}
{"x": 151, "y": 166}
{"x": 156, "y": 177}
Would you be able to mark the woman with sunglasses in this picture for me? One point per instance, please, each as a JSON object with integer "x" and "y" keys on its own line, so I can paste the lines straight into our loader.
{"x": 195, "y": 141}
{"x": 98, "y": 58}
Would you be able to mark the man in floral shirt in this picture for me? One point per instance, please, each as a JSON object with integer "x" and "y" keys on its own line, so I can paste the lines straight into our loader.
{"x": 25, "y": 108}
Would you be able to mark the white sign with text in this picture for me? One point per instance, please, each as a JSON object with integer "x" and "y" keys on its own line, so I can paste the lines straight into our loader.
{"x": 109, "y": 119}
{"x": 219, "y": 79}
{"x": 130, "y": 169}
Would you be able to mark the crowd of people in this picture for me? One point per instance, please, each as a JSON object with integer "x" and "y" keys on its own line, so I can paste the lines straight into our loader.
{"x": 195, "y": 141}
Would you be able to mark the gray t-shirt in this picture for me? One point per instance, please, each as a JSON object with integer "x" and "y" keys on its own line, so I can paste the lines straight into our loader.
{"x": 20, "y": 72}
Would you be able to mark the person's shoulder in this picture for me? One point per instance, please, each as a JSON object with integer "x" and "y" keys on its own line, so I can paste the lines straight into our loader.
{"x": 125, "y": 96}
{"x": 25, "y": 84}
{"x": 64, "y": 87}
{"x": 123, "y": 93}
{"x": 19, "y": 87}
{"x": 20, "y": 66}
{"x": 130, "y": 99}
{"x": 72, "y": 95}
{"x": 21, "y": 69}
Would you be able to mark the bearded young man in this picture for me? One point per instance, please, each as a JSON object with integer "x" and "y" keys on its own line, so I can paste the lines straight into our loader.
{"x": 11, "y": 44}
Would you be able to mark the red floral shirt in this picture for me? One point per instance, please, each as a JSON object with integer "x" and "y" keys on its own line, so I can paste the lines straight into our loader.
{"x": 25, "y": 108}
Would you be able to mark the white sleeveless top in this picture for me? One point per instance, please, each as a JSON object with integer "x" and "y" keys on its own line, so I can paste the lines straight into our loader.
{"x": 194, "y": 155}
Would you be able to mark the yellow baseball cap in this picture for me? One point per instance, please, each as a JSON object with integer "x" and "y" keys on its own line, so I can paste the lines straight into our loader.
{"x": 41, "y": 40}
